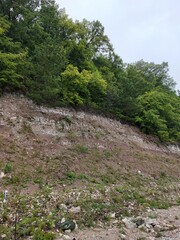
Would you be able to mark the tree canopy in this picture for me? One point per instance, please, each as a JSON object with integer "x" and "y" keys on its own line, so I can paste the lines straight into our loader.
{"x": 57, "y": 61}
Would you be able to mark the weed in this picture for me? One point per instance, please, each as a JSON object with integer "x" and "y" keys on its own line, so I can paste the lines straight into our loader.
{"x": 163, "y": 175}
{"x": 71, "y": 176}
{"x": 107, "y": 179}
{"x": 26, "y": 128}
{"x": 41, "y": 235}
{"x": 8, "y": 168}
{"x": 158, "y": 204}
{"x": 108, "y": 154}
{"x": 98, "y": 135}
{"x": 71, "y": 135}
{"x": 80, "y": 148}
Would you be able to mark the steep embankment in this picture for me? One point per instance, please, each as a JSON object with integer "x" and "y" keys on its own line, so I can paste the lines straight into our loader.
{"x": 65, "y": 159}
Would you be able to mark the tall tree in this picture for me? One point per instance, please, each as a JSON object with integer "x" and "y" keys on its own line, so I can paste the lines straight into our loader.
{"x": 13, "y": 61}
{"x": 156, "y": 74}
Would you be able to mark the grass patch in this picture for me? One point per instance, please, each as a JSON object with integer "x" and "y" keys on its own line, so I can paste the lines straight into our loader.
{"x": 80, "y": 148}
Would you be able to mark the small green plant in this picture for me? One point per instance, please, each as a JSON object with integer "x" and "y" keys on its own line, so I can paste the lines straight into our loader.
{"x": 81, "y": 149}
{"x": 73, "y": 176}
{"x": 158, "y": 204}
{"x": 41, "y": 235}
{"x": 8, "y": 168}
{"x": 162, "y": 174}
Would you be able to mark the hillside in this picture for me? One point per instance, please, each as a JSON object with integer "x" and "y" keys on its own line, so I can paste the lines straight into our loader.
{"x": 59, "y": 163}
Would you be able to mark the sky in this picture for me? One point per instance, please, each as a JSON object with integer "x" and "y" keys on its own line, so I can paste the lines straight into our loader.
{"x": 137, "y": 29}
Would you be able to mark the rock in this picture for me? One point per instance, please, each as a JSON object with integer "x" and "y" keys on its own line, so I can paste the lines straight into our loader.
{"x": 112, "y": 215}
{"x": 75, "y": 209}
{"x": 2, "y": 174}
{"x": 66, "y": 237}
{"x": 63, "y": 220}
{"x": 115, "y": 222}
{"x": 3, "y": 236}
{"x": 64, "y": 207}
{"x": 128, "y": 223}
{"x": 158, "y": 228}
{"x": 122, "y": 236}
{"x": 140, "y": 173}
{"x": 138, "y": 221}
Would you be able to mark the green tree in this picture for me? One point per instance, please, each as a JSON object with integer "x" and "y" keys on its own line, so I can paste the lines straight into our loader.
{"x": 159, "y": 114}
{"x": 81, "y": 88}
{"x": 156, "y": 74}
{"x": 13, "y": 61}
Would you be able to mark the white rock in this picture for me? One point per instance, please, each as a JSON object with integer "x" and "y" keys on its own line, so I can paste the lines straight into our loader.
{"x": 128, "y": 223}
{"x": 115, "y": 222}
{"x": 66, "y": 237}
{"x": 122, "y": 236}
{"x": 63, "y": 206}
{"x": 112, "y": 215}
{"x": 3, "y": 236}
{"x": 63, "y": 220}
{"x": 2, "y": 175}
{"x": 75, "y": 209}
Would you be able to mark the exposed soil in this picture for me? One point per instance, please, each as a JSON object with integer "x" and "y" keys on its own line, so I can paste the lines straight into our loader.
{"x": 46, "y": 146}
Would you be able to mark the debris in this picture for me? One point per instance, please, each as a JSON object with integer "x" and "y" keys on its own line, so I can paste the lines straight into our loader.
{"x": 5, "y": 196}
{"x": 67, "y": 225}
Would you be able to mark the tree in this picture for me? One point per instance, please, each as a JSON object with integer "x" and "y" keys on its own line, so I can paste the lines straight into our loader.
{"x": 156, "y": 74}
{"x": 81, "y": 88}
{"x": 13, "y": 61}
{"x": 159, "y": 114}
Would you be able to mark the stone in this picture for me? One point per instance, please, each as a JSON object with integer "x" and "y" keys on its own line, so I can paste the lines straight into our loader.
{"x": 2, "y": 174}
{"x": 129, "y": 224}
{"x": 63, "y": 207}
{"x": 112, "y": 215}
{"x": 66, "y": 237}
{"x": 63, "y": 220}
{"x": 122, "y": 236}
{"x": 3, "y": 236}
{"x": 138, "y": 221}
{"x": 75, "y": 209}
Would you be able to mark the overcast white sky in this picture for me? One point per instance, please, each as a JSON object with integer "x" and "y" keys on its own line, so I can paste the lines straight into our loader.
{"x": 138, "y": 29}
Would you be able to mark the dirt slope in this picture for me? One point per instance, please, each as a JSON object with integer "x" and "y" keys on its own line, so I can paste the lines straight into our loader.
{"x": 75, "y": 151}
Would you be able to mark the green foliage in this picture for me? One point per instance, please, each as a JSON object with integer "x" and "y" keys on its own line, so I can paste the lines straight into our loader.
{"x": 7, "y": 168}
{"x": 56, "y": 61}
{"x": 41, "y": 235}
{"x": 80, "y": 88}
{"x": 72, "y": 176}
{"x": 159, "y": 114}
{"x": 81, "y": 148}
{"x": 12, "y": 60}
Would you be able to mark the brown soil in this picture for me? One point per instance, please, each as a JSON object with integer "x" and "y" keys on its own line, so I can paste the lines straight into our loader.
{"x": 47, "y": 145}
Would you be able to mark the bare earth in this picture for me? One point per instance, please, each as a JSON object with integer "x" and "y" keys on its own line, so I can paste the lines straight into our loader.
{"x": 45, "y": 145}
